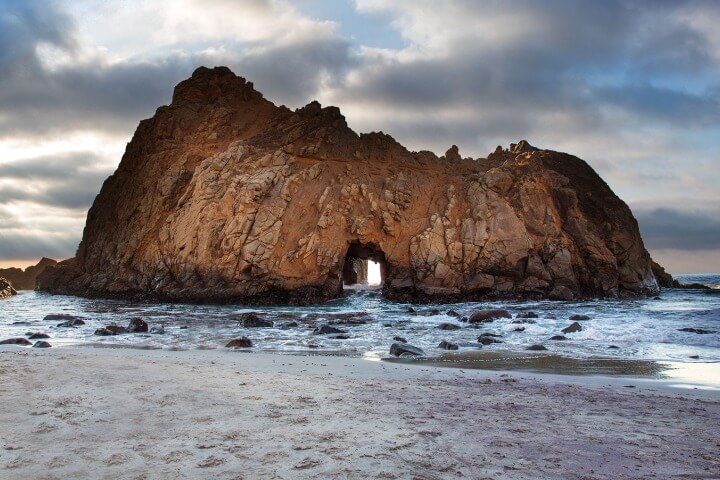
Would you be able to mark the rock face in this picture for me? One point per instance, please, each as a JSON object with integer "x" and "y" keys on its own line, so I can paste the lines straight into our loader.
{"x": 223, "y": 196}
{"x": 6, "y": 289}
{"x": 25, "y": 279}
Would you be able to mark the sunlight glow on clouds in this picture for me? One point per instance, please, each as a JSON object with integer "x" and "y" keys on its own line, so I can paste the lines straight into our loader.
{"x": 632, "y": 86}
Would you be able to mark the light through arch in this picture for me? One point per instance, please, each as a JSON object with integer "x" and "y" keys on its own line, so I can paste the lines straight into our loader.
{"x": 373, "y": 276}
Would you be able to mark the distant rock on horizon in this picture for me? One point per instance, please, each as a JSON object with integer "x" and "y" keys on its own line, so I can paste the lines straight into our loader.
{"x": 223, "y": 196}
{"x": 25, "y": 279}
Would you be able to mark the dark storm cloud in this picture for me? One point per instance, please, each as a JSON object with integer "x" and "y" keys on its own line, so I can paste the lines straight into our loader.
{"x": 664, "y": 228}
{"x": 567, "y": 58}
{"x": 70, "y": 180}
{"x": 95, "y": 95}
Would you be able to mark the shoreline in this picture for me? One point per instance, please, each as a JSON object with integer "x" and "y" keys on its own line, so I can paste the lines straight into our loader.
{"x": 128, "y": 413}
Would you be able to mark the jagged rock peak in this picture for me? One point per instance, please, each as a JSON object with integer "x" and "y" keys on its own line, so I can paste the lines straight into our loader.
{"x": 521, "y": 147}
{"x": 223, "y": 196}
{"x": 210, "y": 85}
{"x": 453, "y": 154}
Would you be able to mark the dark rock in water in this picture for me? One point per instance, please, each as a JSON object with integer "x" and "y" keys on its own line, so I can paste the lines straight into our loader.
{"x": 488, "y": 339}
{"x": 59, "y": 316}
{"x": 491, "y": 335}
{"x": 463, "y": 319}
{"x": 453, "y": 313}
{"x": 313, "y": 345}
{"x": 37, "y": 336}
{"x": 526, "y": 315}
{"x": 536, "y": 348}
{"x": 75, "y": 322}
{"x": 16, "y": 341}
{"x": 488, "y": 315}
{"x": 613, "y": 347}
{"x": 116, "y": 329}
{"x": 340, "y": 337}
{"x": 579, "y": 317}
{"x": 253, "y": 320}
{"x": 561, "y": 293}
{"x": 288, "y": 325}
{"x": 524, "y": 320}
{"x": 42, "y": 344}
{"x": 448, "y": 345}
{"x": 183, "y": 327}
{"x": 398, "y": 349}
{"x": 429, "y": 313}
{"x": 242, "y": 342}
{"x": 693, "y": 286}
{"x": 519, "y": 329}
{"x": 387, "y": 325}
{"x": 157, "y": 330}
{"x": 400, "y": 339}
{"x": 572, "y": 328}
{"x": 411, "y": 310}
{"x": 327, "y": 329}
{"x": 448, "y": 326}
{"x": 110, "y": 330}
{"x": 344, "y": 318}
{"x": 699, "y": 331}
{"x": 137, "y": 325}
{"x": 694, "y": 357}
{"x": 558, "y": 337}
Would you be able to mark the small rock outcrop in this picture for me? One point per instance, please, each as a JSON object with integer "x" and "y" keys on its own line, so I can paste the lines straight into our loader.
{"x": 6, "y": 289}
{"x": 223, "y": 196}
{"x": 25, "y": 279}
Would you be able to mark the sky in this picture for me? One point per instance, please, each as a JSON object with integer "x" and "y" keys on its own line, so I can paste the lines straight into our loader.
{"x": 632, "y": 87}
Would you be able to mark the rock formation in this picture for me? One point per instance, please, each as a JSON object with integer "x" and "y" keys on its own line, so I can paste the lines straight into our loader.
{"x": 25, "y": 279}
{"x": 6, "y": 289}
{"x": 223, "y": 196}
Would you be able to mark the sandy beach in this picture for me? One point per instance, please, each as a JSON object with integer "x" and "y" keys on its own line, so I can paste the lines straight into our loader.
{"x": 126, "y": 413}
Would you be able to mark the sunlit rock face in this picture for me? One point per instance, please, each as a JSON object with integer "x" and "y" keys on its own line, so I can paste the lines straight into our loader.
{"x": 223, "y": 196}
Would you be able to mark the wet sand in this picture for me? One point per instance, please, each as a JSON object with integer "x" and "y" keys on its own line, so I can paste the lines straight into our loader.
{"x": 123, "y": 413}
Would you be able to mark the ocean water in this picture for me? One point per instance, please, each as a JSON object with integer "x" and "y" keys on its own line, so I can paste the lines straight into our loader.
{"x": 646, "y": 329}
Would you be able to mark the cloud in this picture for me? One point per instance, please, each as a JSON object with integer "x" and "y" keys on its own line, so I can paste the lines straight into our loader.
{"x": 68, "y": 180}
{"x": 664, "y": 228}
{"x": 88, "y": 90}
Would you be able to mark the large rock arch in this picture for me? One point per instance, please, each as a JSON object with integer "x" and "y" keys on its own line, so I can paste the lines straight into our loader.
{"x": 223, "y": 196}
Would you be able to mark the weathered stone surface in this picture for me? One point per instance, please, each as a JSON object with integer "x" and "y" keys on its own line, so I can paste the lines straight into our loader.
{"x": 223, "y": 196}
{"x": 25, "y": 279}
{"x": 42, "y": 344}
{"x": 6, "y": 289}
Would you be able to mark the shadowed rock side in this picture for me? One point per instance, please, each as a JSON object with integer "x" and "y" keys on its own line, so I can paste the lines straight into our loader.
{"x": 223, "y": 196}
{"x": 6, "y": 289}
{"x": 25, "y": 279}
